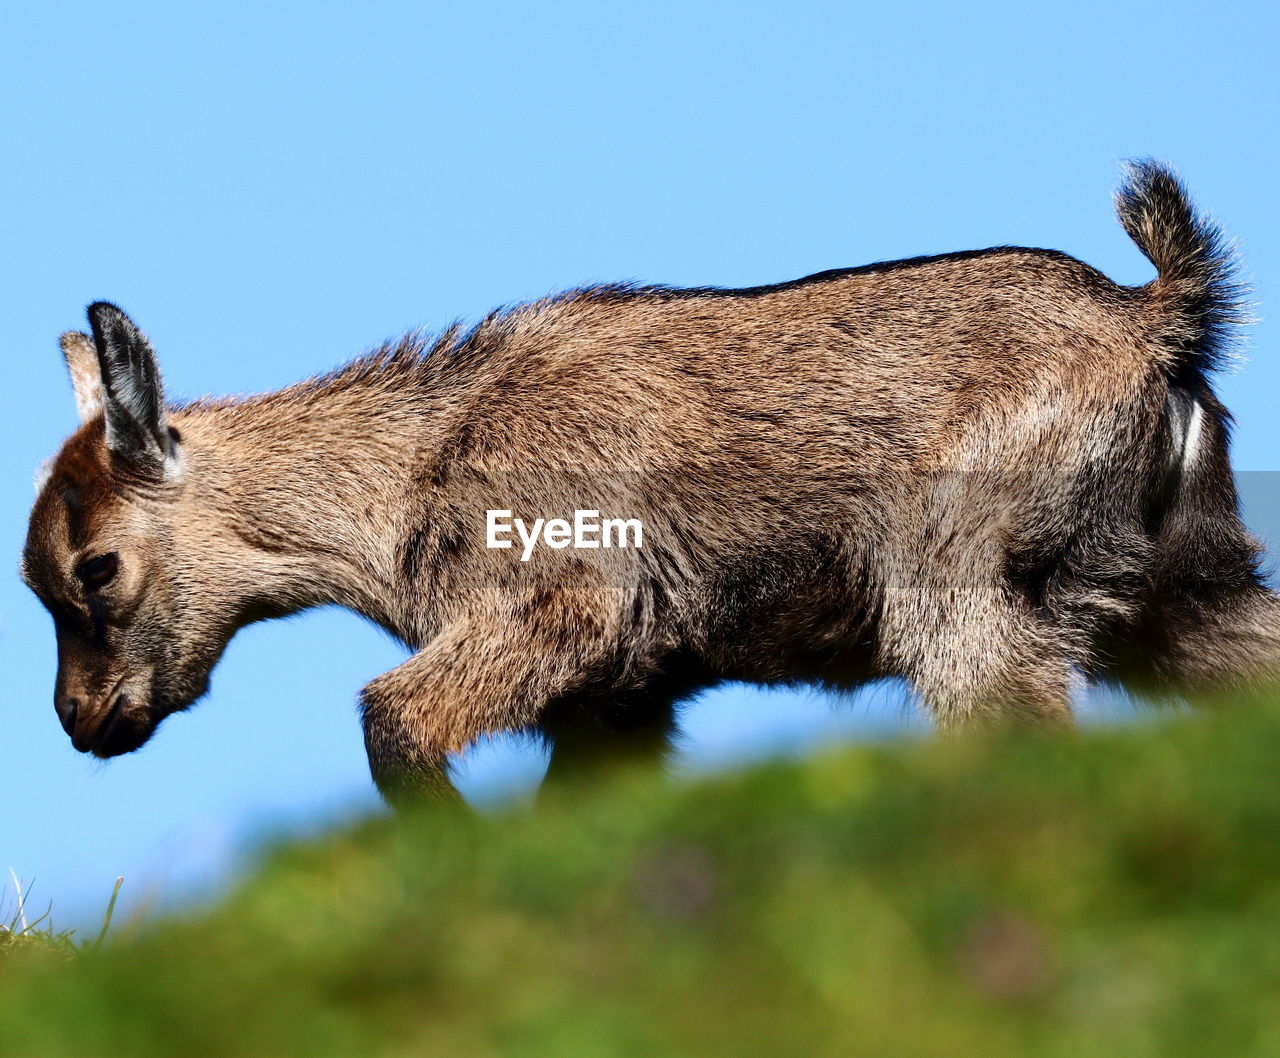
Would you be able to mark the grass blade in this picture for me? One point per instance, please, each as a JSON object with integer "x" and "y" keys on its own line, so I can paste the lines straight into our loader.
{"x": 111, "y": 910}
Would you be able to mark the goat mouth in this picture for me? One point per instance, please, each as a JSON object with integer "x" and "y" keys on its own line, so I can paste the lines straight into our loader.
{"x": 83, "y": 737}
{"x": 127, "y": 727}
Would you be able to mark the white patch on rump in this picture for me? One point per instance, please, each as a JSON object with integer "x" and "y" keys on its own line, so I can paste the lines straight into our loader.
{"x": 1192, "y": 436}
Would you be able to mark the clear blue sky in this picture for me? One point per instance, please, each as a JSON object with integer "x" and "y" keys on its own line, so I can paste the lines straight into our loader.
{"x": 269, "y": 189}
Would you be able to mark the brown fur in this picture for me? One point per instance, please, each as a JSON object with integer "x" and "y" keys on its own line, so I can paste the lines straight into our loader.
{"x": 980, "y": 471}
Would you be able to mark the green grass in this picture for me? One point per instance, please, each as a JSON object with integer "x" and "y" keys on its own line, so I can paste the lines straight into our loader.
{"x": 1106, "y": 893}
{"x": 20, "y": 932}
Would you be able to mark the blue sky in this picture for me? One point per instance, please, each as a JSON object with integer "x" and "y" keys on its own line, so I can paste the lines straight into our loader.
{"x": 270, "y": 189}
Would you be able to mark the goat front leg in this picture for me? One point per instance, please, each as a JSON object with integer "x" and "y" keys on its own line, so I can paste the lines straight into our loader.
{"x": 407, "y": 745}
{"x": 477, "y": 677}
{"x": 635, "y": 728}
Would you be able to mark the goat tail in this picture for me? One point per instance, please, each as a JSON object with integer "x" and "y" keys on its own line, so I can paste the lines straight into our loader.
{"x": 1198, "y": 295}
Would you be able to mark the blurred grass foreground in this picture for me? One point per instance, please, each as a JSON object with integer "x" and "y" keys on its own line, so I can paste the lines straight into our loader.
{"x": 1113, "y": 892}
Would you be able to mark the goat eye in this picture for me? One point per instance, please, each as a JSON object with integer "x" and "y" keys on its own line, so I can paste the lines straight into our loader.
{"x": 95, "y": 573}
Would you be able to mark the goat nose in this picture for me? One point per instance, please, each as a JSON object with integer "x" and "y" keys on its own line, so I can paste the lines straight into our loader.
{"x": 67, "y": 709}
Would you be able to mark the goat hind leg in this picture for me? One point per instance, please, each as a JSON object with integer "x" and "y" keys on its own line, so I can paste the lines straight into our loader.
{"x": 986, "y": 662}
{"x": 1230, "y": 642}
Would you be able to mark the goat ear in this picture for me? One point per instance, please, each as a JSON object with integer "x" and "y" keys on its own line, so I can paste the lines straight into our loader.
{"x": 86, "y": 376}
{"x": 132, "y": 396}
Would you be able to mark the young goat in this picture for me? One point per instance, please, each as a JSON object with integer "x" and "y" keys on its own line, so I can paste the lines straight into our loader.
{"x": 980, "y": 471}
